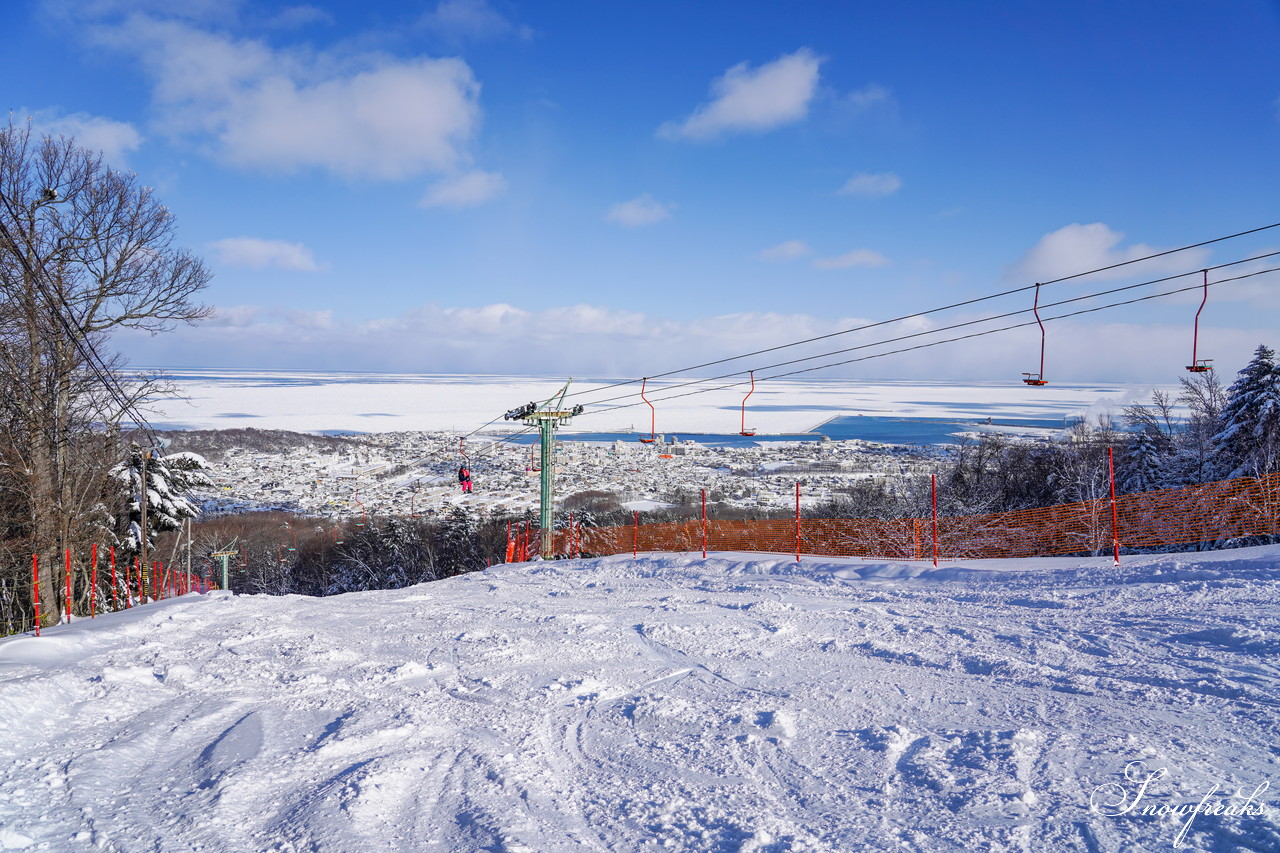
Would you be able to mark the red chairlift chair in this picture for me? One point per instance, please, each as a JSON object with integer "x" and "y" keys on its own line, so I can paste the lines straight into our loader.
{"x": 1200, "y": 365}
{"x": 652, "y": 415}
{"x": 1037, "y": 378}
{"x": 744, "y": 430}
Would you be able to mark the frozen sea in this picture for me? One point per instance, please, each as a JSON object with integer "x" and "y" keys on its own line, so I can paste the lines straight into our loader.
{"x": 899, "y": 411}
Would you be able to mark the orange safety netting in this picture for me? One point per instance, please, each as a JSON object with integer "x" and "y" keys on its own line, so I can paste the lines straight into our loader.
{"x": 1227, "y": 509}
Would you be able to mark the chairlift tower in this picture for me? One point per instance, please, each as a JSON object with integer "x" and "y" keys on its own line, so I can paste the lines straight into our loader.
{"x": 224, "y": 555}
{"x": 546, "y": 417}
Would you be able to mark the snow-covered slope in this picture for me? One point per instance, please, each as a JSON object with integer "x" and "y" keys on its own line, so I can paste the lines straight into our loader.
{"x": 669, "y": 703}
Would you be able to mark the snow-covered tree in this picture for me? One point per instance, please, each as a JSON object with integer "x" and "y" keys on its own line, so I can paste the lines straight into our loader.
{"x": 1247, "y": 441}
{"x": 458, "y": 549}
{"x": 1143, "y": 464}
{"x": 168, "y": 480}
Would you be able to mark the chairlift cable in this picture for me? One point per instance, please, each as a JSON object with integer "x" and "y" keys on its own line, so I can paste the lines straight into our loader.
{"x": 940, "y": 329}
{"x": 948, "y": 340}
{"x": 962, "y": 304}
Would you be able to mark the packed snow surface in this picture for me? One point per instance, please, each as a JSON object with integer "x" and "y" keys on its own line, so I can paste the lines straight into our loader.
{"x": 738, "y": 702}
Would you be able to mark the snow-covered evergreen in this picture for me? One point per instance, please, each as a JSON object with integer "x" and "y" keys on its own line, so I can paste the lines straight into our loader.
{"x": 1144, "y": 464}
{"x": 169, "y": 479}
{"x": 1247, "y": 442}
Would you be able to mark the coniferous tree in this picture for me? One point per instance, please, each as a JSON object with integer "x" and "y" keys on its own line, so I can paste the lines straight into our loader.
{"x": 168, "y": 480}
{"x": 1143, "y": 464}
{"x": 1247, "y": 441}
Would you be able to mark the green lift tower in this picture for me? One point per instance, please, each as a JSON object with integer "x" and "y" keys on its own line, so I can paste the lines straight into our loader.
{"x": 546, "y": 417}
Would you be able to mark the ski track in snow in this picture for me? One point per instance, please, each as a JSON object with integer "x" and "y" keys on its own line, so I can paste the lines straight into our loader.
{"x": 738, "y": 703}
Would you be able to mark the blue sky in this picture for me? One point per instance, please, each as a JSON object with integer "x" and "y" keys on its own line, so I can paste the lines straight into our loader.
{"x": 622, "y": 189}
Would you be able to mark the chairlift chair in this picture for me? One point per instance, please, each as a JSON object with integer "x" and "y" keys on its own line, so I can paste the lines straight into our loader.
{"x": 1200, "y": 365}
{"x": 744, "y": 430}
{"x": 1037, "y": 378}
{"x": 652, "y": 415}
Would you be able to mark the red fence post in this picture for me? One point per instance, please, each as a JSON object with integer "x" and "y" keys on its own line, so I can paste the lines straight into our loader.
{"x": 115, "y": 588}
{"x": 635, "y": 537}
{"x": 35, "y": 588}
{"x": 797, "y": 521}
{"x": 1115, "y": 520}
{"x": 137, "y": 577}
{"x": 933, "y": 482}
{"x": 704, "y": 524}
{"x": 68, "y": 606}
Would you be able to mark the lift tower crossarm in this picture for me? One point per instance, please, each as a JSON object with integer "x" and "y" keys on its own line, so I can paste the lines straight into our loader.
{"x": 546, "y": 417}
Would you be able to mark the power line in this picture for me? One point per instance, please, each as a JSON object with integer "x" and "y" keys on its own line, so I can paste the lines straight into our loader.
{"x": 963, "y": 304}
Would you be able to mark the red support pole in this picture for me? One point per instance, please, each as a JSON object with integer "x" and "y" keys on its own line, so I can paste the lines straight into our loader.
{"x": 509, "y": 540}
{"x": 635, "y": 537}
{"x": 570, "y": 543}
{"x": 704, "y": 524}
{"x": 137, "y": 577}
{"x": 797, "y": 521}
{"x": 68, "y": 584}
{"x": 115, "y": 588}
{"x": 35, "y": 588}
{"x": 93, "y": 583}
{"x": 1115, "y": 518}
{"x": 933, "y": 482}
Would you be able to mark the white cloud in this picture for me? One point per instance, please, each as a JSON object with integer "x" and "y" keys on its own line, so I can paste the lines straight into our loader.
{"x": 293, "y": 17}
{"x": 115, "y": 139}
{"x": 643, "y": 210}
{"x": 469, "y": 190}
{"x": 871, "y": 95}
{"x": 236, "y": 316}
{"x": 871, "y": 185}
{"x": 1078, "y": 248}
{"x": 471, "y": 19}
{"x": 787, "y": 251}
{"x": 594, "y": 340}
{"x": 747, "y": 99}
{"x": 78, "y": 11}
{"x": 856, "y": 258}
{"x": 256, "y": 253}
{"x": 319, "y": 321}
{"x": 368, "y": 116}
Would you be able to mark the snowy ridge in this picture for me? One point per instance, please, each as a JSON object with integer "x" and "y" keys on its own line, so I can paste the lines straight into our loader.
{"x": 742, "y": 702}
